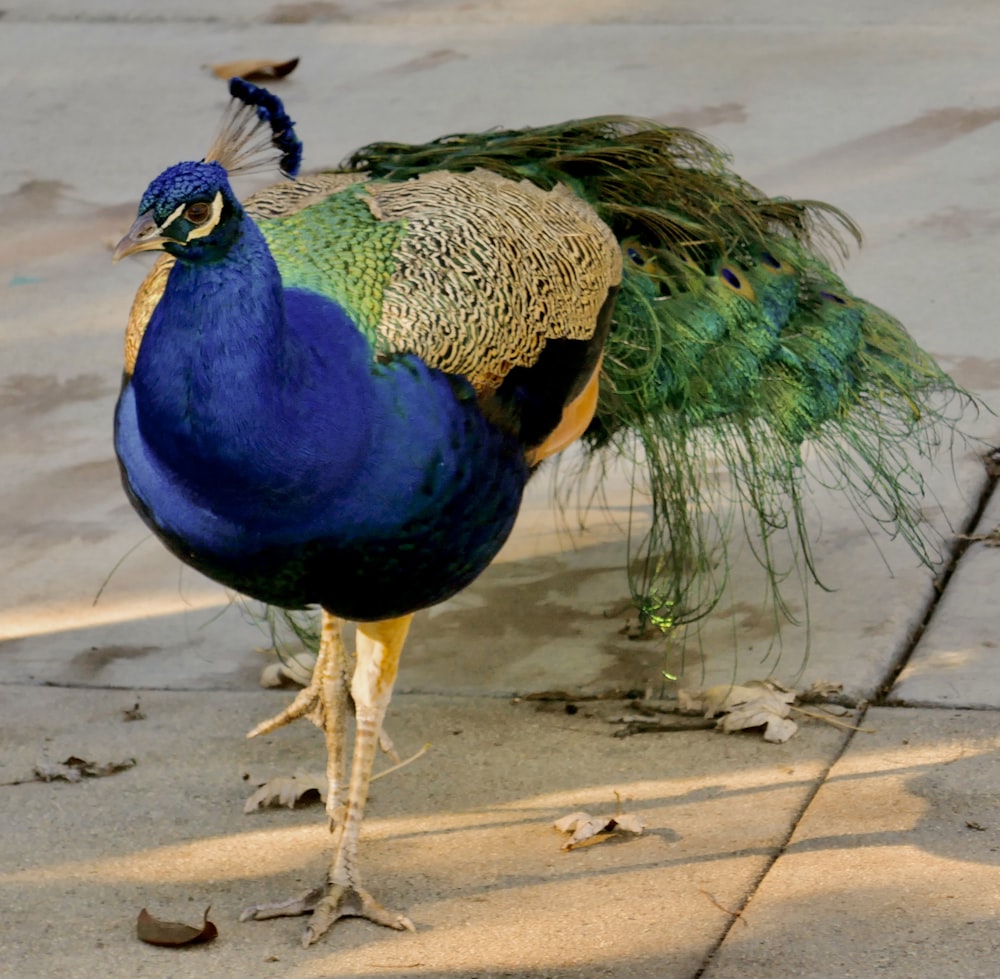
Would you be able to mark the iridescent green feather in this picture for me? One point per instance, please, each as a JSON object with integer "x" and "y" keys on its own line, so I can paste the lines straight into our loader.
{"x": 732, "y": 341}
{"x": 355, "y": 270}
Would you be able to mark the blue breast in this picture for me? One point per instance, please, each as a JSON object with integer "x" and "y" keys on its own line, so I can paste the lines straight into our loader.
{"x": 287, "y": 464}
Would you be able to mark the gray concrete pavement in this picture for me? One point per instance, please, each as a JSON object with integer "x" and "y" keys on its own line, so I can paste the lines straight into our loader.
{"x": 759, "y": 859}
{"x": 893, "y": 868}
{"x": 956, "y": 662}
{"x": 462, "y": 839}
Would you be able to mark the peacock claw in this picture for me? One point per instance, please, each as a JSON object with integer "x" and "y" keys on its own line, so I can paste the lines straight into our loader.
{"x": 289, "y": 908}
{"x": 328, "y": 904}
{"x": 350, "y": 901}
{"x": 305, "y": 704}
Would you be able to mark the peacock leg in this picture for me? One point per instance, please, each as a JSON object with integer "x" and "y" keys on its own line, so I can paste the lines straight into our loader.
{"x": 378, "y": 648}
{"x": 325, "y": 702}
{"x": 328, "y": 684}
{"x": 309, "y": 701}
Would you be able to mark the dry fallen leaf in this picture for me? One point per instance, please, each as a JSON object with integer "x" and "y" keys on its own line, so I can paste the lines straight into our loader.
{"x": 255, "y": 69}
{"x": 286, "y": 790}
{"x": 134, "y": 713}
{"x": 173, "y": 934}
{"x": 588, "y": 830}
{"x": 763, "y": 711}
{"x": 765, "y": 704}
{"x": 689, "y": 701}
{"x": 820, "y": 691}
{"x": 75, "y": 769}
{"x": 739, "y": 707}
{"x": 293, "y": 669}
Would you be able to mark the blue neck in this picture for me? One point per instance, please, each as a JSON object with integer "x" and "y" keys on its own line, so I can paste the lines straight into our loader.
{"x": 235, "y": 376}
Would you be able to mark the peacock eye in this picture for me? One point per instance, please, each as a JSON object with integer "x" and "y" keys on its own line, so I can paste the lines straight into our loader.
{"x": 198, "y": 212}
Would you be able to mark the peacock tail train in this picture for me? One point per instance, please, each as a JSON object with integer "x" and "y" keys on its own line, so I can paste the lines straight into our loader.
{"x": 732, "y": 342}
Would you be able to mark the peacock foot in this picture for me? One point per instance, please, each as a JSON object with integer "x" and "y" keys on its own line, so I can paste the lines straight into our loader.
{"x": 327, "y": 904}
{"x": 309, "y": 703}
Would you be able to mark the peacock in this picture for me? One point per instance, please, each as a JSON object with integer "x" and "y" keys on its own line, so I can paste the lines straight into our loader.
{"x": 336, "y": 392}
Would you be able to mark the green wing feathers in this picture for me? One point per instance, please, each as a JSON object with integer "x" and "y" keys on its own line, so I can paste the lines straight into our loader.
{"x": 471, "y": 272}
{"x": 733, "y": 343}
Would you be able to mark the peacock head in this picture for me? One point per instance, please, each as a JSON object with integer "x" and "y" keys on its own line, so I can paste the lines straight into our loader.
{"x": 190, "y": 209}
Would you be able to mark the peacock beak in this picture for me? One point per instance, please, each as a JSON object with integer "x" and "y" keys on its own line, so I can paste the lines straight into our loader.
{"x": 143, "y": 236}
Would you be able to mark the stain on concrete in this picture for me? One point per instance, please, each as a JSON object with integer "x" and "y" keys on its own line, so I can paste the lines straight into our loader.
{"x": 875, "y": 155}
{"x": 317, "y": 12}
{"x": 51, "y": 508}
{"x": 87, "y": 665}
{"x": 536, "y": 624}
{"x": 424, "y": 62}
{"x": 976, "y": 373}
{"x": 633, "y": 665}
{"x": 541, "y": 606}
{"x": 36, "y": 394}
{"x": 928, "y": 131}
{"x": 32, "y": 200}
{"x": 961, "y": 223}
{"x": 38, "y": 535}
{"x": 41, "y": 219}
{"x": 706, "y": 116}
{"x": 754, "y": 621}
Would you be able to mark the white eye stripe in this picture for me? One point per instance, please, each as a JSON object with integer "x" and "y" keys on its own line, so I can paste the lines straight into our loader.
{"x": 173, "y": 217}
{"x": 209, "y": 226}
{"x": 204, "y": 229}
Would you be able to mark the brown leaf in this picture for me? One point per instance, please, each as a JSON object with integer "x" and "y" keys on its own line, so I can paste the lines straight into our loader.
{"x": 286, "y": 790}
{"x": 758, "y": 703}
{"x": 629, "y": 822}
{"x": 293, "y": 669}
{"x": 255, "y": 69}
{"x": 588, "y": 830}
{"x": 134, "y": 713}
{"x": 173, "y": 934}
{"x": 74, "y": 769}
{"x": 820, "y": 691}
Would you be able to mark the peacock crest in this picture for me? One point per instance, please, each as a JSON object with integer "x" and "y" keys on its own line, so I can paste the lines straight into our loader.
{"x": 255, "y": 133}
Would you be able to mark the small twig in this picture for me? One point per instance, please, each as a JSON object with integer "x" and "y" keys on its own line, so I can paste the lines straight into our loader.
{"x": 659, "y": 727}
{"x": 117, "y": 565}
{"x": 732, "y": 914}
{"x": 830, "y": 719}
{"x": 402, "y": 764}
{"x": 991, "y": 539}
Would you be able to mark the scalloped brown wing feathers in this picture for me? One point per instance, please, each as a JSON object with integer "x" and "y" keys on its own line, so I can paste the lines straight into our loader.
{"x": 488, "y": 271}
